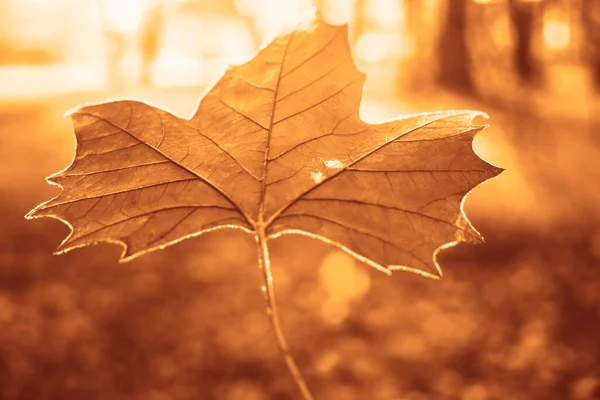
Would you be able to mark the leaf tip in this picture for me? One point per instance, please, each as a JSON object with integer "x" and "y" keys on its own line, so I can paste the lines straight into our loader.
{"x": 482, "y": 114}
{"x": 69, "y": 113}
{"x": 473, "y": 115}
{"x": 35, "y": 213}
{"x": 31, "y": 214}
{"x": 123, "y": 260}
{"x": 127, "y": 255}
{"x": 496, "y": 170}
{"x": 65, "y": 248}
{"x": 478, "y": 113}
{"x": 440, "y": 249}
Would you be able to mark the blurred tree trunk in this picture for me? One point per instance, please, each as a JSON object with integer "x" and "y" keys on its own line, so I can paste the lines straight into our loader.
{"x": 522, "y": 16}
{"x": 419, "y": 67}
{"x": 590, "y": 15}
{"x": 453, "y": 54}
{"x": 151, "y": 31}
{"x": 590, "y": 19}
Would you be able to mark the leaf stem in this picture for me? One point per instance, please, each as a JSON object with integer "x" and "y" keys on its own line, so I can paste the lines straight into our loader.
{"x": 264, "y": 265}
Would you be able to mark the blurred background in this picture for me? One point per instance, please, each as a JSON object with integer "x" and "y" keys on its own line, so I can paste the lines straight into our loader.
{"x": 517, "y": 318}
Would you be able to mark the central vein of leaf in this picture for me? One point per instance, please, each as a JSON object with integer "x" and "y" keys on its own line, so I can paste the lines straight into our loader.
{"x": 261, "y": 220}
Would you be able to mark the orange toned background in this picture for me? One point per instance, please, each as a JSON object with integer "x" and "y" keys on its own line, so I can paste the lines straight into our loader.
{"x": 517, "y": 318}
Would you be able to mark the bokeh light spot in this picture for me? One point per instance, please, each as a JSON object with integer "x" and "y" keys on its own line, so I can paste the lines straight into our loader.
{"x": 557, "y": 34}
{"x": 371, "y": 47}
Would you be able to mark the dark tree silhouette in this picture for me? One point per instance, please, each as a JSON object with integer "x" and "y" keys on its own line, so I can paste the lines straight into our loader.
{"x": 590, "y": 16}
{"x": 523, "y": 18}
{"x": 455, "y": 68}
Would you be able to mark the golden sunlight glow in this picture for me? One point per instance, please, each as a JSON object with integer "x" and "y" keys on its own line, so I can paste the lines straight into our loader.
{"x": 124, "y": 16}
{"x": 386, "y": 12}
{"x": 236, "y": 45}
{"x": 245, "y": 7}
{"x": 557, "y": 34}
{"x": 171, "y": 71}
{"x": 371, "y": 47}
{"x": 273, "y": 16}
{"x": 344, "y": 281}
{"x": 338, "y": 12}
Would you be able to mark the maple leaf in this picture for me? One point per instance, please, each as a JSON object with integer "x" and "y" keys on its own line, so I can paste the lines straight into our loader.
{"x": 275, "y": 147}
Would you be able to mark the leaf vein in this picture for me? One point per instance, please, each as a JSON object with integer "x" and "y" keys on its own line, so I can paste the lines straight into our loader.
{"x": 309, "y": 84}
{"x": 359, "y": 231}
{"x": 151, "y": 214}
{"x": 238, "y": 112}
{"x": 118, "y": 169}
{"x": 328, "y": 178}
{"x": 385, "y": 206}
{"x": 318, "y": 103}
{"x": 208, "y": 182}
{"x": 316, "y": 53}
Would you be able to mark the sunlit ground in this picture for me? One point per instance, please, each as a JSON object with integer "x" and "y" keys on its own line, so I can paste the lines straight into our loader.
{"x": 513, "y": 319}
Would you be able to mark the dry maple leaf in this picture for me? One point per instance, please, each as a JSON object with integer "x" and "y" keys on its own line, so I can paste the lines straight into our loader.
{"x": 275, "y": 147}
